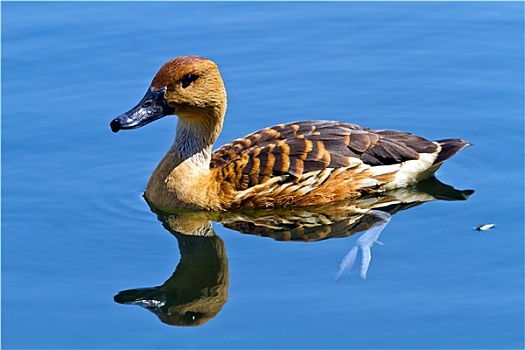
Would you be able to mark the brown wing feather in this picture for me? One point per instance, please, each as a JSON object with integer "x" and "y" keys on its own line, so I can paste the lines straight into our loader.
{"x": 297, "y": 148}
{"x": 394, "y": 147}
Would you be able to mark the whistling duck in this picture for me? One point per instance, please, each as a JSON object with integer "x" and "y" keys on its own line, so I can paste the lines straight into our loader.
{"x": 295, "y": 164}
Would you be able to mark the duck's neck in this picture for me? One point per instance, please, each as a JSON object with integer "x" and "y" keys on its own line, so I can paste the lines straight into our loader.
{"x": 180, "y": 175}
{"x": 194, "y": 139}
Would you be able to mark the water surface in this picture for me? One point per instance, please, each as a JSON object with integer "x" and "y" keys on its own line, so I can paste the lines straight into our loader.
{"x": 76, "y": 230}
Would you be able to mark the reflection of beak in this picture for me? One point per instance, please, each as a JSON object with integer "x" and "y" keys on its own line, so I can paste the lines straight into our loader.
{"x": 149, "y": 298}
{"x": 153, "y": 106}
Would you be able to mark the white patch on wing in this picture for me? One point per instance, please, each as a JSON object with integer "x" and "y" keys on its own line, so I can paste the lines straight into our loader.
{"x": 385, "y": 169}
{"x": 414, "y": 170}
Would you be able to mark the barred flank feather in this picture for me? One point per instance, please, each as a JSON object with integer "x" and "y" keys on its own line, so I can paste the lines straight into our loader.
{"x": 294, "y": 154}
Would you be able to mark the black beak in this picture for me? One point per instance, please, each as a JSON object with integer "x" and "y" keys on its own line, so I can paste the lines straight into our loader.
{"x": 153, "y": 106}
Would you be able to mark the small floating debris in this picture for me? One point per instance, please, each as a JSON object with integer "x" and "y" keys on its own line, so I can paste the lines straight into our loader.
{"x": 485, "y": 227}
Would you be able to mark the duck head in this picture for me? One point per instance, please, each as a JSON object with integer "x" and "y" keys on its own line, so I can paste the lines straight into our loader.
{"x": 190, "y": 87}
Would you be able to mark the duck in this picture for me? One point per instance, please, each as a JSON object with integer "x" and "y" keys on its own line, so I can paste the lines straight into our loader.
{"x": 295, "y": 164}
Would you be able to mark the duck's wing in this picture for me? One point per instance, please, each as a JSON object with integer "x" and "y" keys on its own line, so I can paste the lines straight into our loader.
{"x": 298, "y": 148}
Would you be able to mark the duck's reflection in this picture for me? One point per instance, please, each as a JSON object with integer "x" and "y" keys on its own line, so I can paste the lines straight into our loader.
{"x": 198, "y": 289}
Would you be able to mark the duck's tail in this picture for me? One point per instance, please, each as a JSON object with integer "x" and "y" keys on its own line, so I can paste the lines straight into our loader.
{"x": 449, "y": 147}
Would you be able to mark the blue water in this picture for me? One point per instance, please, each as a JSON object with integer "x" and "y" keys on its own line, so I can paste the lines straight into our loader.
{"x": 76, "y": 230}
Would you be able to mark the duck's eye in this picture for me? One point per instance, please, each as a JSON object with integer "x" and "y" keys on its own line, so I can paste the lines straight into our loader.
{"x": 187, "y": 80}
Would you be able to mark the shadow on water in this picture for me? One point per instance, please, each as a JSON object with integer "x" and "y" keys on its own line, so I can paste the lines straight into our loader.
{"x": 198, "y": 289}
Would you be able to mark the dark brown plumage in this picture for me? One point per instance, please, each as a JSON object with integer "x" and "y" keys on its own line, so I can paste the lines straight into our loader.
{"x": 297, "y": 148}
